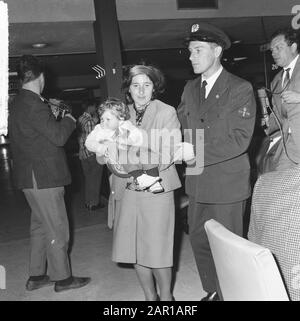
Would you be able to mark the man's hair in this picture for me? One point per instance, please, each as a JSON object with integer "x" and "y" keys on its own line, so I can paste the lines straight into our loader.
{"x": 290, "y": 35}
{"x": 116, "y": 106}
{"x": 29, "y": 68}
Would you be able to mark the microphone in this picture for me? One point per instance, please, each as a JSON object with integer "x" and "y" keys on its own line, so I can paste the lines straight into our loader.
{"x": 265, "y": 104}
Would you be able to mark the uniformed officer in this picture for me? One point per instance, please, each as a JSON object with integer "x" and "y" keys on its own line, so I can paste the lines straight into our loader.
{"x": 224, "y": 107}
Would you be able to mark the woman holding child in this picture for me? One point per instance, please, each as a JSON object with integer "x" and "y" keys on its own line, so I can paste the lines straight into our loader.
{"x": 143, "y": 220}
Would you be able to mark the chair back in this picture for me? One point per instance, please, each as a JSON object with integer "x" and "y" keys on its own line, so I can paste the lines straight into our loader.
{"x": 246, "y": 271}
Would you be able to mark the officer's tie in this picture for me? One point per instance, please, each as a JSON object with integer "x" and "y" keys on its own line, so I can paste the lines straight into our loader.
{"x": 202, "y": 91}
{"x": 286, "y": 78}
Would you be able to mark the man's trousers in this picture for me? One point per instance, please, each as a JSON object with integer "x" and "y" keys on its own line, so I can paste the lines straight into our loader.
{"x": 49, "y": 232}
{"x": 230, "y": 215}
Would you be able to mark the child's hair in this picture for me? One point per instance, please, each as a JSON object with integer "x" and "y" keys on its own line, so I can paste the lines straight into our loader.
{"x": 116, "y": 106}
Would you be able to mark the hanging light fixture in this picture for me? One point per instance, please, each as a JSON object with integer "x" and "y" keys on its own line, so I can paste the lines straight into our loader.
{"x": 39, "y": 45}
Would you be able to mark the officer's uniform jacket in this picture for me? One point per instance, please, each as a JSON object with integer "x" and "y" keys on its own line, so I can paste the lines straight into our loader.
{"x": 226, "y": 119}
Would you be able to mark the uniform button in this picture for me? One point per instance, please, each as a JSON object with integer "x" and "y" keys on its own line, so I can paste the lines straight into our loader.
{"x": 202, "y": 120}
{"x": 113, "y": 192}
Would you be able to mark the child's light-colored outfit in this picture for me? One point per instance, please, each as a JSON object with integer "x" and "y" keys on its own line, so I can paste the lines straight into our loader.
{"x": 126, "y": 141}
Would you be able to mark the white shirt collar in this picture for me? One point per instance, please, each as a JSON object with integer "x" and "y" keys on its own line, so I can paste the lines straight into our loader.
{"x": 211, "y": 80}
{"x": 291, "y": 65}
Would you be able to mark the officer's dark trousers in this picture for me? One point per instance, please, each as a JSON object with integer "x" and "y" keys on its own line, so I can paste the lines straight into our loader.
{"x": 49, "y": 232}
{"x": 230, "y": 215}
{"x": 92, "y": 180}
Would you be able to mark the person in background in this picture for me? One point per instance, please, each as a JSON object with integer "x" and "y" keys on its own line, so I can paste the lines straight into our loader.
{"x": 275, "y": 219}
{"x": 275, "y": 222}
{"x": 143, "y": 222}
{"x": 41, "y": 171}
{"x": 285, "y": 89}
{"x": 92, "y": 170}
{"x": 221, "y": 107}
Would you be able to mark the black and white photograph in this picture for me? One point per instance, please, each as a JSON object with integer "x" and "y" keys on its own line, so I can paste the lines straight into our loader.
{"x": 149, "y": 153}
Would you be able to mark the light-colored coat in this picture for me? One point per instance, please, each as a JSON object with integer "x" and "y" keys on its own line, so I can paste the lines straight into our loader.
{"x": 158, "y": 116}
{"x": 289, "y": 116}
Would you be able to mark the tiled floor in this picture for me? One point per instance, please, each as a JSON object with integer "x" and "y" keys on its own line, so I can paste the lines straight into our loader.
{"x": 91, "y": 250}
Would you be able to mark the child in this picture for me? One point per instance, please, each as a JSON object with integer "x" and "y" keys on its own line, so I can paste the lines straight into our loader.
{"x": 115, "y": 134}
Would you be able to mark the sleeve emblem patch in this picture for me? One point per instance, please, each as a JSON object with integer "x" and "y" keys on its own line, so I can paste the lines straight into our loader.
{"x": 244, "y": 112}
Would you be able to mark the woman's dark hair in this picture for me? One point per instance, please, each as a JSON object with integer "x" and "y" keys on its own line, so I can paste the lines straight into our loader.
{"x": 116, "y": 106}
{"x": 29, "y": 68}
{"x": 290, "y": 35}
{"x": 155, "y": 75}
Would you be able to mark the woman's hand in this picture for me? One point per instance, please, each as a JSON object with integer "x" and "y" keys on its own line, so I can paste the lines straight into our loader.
{"x": 184, "y": 152}
{"x": 290, "y": 97}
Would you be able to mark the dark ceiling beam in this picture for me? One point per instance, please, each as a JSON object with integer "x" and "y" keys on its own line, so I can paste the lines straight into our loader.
{"x": 108, "y": 48}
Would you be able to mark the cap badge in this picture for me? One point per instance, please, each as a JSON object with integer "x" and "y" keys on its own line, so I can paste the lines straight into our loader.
{"x": 195, "y": 27}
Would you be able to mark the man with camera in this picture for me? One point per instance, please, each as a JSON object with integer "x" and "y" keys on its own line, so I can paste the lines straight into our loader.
{"x": 40, "y": 169}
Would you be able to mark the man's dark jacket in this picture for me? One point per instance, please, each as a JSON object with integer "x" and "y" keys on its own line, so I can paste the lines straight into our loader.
{"x": 37, "y": 141}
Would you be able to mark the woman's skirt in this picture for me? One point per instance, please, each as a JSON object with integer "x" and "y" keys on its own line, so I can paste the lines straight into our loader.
{"x": 144, "y": 229}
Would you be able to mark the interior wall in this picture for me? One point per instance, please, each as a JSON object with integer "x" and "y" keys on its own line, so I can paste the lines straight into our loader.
{"x": 167, "y": 9}
{"x": 83, "y": 10}
{"x": 39, "y": 10}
